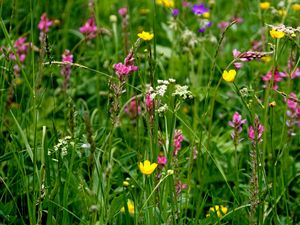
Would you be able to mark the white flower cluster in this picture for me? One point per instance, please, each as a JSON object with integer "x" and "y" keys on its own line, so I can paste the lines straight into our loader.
{"x": 62, "y": 146}
{"x": 189, "y": 38}
{"x": 287, "y": 30}
{"x": 182, "y": 91}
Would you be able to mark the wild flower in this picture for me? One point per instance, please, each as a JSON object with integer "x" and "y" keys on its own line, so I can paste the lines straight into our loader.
{"x": 237, "y": 125}
{"x": 123, "y": 11}
{"x": 175, "y": 12}
{"x": 130, "y": 207}
{"x": 61, "y": 147}
{"x": 123, "y": 70}
{"x": 296, "y": 6}
{"x": 67, "y": 57}
{"x": 199, "y": 9}
{"x": 147, "y": 168}
{"x": 89, "y": 29}
{"x": 290, "y": 67}
{"x": 277, "y": 77}
{"x": 264, "y": 5}
{"x": 189, "y": 39}
{"x": 293, "y": 116}
{"x": 204, "y": 24}
{"x": 276, "y": 34}
{"x": 146, "y": 36}
{"x": 166, "y": 3}
{"x": 21, "y": 49}
{"x": 44, "y": 25}
{"x": 133, "y": 109}
{"x": 206, "y": 15}
{"x": 182, "y": 91}
{"x": 149, "y": 102}
{"x": 218, "y": 210}
{"x": 229, "y": 76}
{"x": 179, "y": 187}
{"x": 161, "y": 159}
{"x": 256, "y": 132}
{"x": 177, "y": 140}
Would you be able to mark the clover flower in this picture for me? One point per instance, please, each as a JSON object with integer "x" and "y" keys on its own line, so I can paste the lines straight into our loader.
{"x": 89, "y": 28}
{"x": 218, "y": 210}
{"x": 147, "y": 168}
{"x": 130, "y": 207}
{"x": 229, "y": 76}
{"x": 146, "y": 36}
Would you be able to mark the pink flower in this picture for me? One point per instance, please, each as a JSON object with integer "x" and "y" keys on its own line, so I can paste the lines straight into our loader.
{"x": 66, "y": 69}
{"x": 277, "y": 77}
{"x": 133, "y": 109}
{"x": 178, "y": 138}
{"x": 123, "y": 11}
{"x": 126, "y": 68}
{"x": 89, "y": 28}
{"x": 223, "y": 24}
{"x": 149, "y": 102}
{"x": 179, "y": 187}
{"x": 258, "y": 129}
{"x": 45, "y": 23}
{"x": 162, "y": 160}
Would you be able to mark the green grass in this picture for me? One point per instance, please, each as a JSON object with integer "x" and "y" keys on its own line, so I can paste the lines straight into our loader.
{"x": 71, "y": 155}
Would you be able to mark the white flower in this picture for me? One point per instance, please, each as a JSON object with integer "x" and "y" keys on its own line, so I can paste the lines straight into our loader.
{"x": 161, "y": 90}
{"x": 182, "y": 91}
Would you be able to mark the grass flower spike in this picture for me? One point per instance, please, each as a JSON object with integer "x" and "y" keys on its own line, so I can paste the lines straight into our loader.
{"x": 276, "y": 34}
{"x": 146, "y": 36}
{"x": 147, "y": 168}
{"x": 229, "y": 76}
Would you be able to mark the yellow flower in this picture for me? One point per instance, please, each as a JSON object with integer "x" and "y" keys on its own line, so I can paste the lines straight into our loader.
{"x": 264, "y": 5}
{"x": 281, "y": 12}
{"x": 276, "y": 34}
{"x": 166, "y": 3}
{"x": 147, "y": 168}
{"x": 130, "y": 206}
{"x": 220, "y": 210}
{"x": 206, "y": 15}
{"x": 266, "y": 58}
{"x": 296, "y": 6}
{"x": 229, "y": 75}
{"x": 146, "y": 36}
{"x": 125, "y": 183}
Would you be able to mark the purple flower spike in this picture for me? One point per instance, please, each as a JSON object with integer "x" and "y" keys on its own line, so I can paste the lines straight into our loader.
{"x": 199, "y": 9}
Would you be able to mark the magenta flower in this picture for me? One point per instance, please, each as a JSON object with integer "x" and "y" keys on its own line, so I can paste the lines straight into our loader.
{"x": 199, "y": 9}
{"x": 45, "y": 23}
{"x": 258, "y": 129}
{"x": 123, "y": 70}
{"x": 89, "y": 28}
{"x": 123, "y": 11}
{"x": 223, "y": 24}
{"x": 162, "y": 160}
{"x": 277, "y": 77}
{"x": 133, "y": 109}
{"x": 178, "y": 139}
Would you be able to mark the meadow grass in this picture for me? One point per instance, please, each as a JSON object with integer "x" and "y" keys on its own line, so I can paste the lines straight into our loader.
{"x": 195, "y": 121}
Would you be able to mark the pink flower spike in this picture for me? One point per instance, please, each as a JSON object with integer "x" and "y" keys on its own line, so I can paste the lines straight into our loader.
{"x": 89, "y": 28}
{"x": 162, "y": 160}
{"x": 45, "y": 23}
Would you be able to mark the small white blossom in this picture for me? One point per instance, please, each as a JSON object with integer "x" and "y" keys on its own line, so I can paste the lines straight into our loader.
{"x": 161, "y": 90}
{"x": 182, "y": 91}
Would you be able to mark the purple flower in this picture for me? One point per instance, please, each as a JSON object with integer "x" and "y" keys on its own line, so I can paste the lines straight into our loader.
{"x": 175, "y": 12}
{"x": 205, "y": 25}
{"x": 178, "y": 138}
{"x": 236, "y": 124}
{"x": 277, "y": 77}
{"x": 199, "y": 9}
{"x": 66, "y": 69}
{"x": 126, "y": 68}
